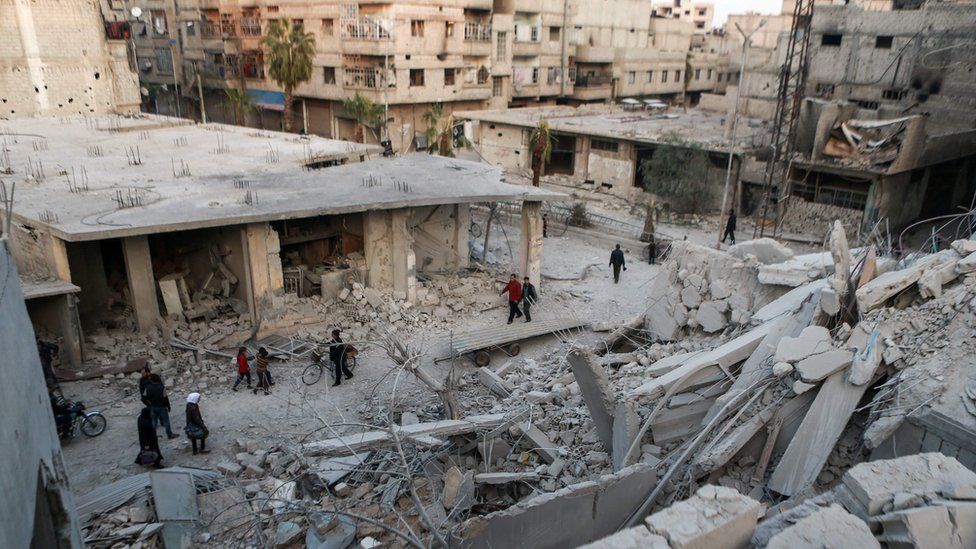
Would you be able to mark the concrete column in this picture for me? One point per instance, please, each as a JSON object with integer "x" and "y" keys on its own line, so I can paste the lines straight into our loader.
{"x": 403, "y": 258}
{"x": 57, "y": 258}
{"x": 142, "y": 284}
{"x": 70, "y": 325}
{"x": 262, "y": 267}
{"x": 377, "y": 246}
{"x": 462, "y": 226}
{"x": 530, "y": 242}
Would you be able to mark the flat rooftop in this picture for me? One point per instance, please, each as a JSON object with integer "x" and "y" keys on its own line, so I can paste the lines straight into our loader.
{"x": 189, "y": 176}
{"x": 706, "y": 128}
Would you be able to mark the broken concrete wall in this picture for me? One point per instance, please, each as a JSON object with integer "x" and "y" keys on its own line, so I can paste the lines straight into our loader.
{"x": 502, "y": 145}
{"x": 569, "y": 517}
{"x": 265, "y": 278}
{"x": 440, "y": 235}
{"x": 33, "y": 464}
{"x": 812, "y": 217}
{"x": 39, "y": 254}
{"x": 173, "y": 252}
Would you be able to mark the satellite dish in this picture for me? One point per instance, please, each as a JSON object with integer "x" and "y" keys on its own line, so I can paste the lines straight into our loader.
{"x": 144, "y": 91}
{"x": 136, "y": 12}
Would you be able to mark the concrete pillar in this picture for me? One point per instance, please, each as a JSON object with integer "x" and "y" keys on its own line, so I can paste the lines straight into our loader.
{"x": 404, "y": 260}
{"x": 142, "y": 284}
{"x": 530, "y": 242}
{"x": 462, "y": 227}
{"x": 57, "y": 258}
{"x": 262, "y": 268}
{"x": 71, "y": 336}
{"x": 377, "y": 246}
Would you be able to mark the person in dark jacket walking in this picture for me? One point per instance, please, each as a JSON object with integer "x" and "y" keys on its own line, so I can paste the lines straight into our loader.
{"x": 730, "y": 227}
{"x": 155, "y": 397}
{"x": 243, "y": 369}
{"x": 196, "y": 429}
{"x": 261, "y": 370}
{"x": 529, "y": 298}
{"x": 337, "y": 354}
{"x": 148, "y": 441}
{"x": 617, "y": 262}
{"x": 514, "y": 290}
{"x": 144, "y": 374}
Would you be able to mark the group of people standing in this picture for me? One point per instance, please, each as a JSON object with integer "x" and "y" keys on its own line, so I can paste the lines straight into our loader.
{"x": 156, "y": 411}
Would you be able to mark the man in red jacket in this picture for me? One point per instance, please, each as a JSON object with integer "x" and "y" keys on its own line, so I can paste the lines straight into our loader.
{"x": 514, "y": 290}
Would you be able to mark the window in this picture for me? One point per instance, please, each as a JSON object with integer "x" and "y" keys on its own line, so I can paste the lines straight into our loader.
{"x": 664, "y": 77}
{"x": 159, "y": 23}
{"x": 697, "y": 74}
{"x": 709, "y": 74}
{"x": 650, "y": 76}
{"x": 328, "y": 27}
{"x": 701, "y": 12}
{"x": 883, "y": 42}
{"x": 328, "y": 75}
{"x": 497, "y": 86}
{"x": 631, "y": 77}
{"x": 272, "y": 9}
{"x": 894, "y": 95}
{"x": 831, "y": 39}
{"x": 554, "y": 34}
{"x": 866, "y": 104}
{"x": 501, "y": 48}
{"x": 416, "y": 28}
{"x": 164, "y": 61}
{"x": 191, "y": 29}
{"x": 416, "y": 78}
{"x": 448, "y": 77}
{"x": 251, "y": 22}
{"x": 227, "y": 24}
{"x": 699, "y": 24}
{"x": 824, "y": 90}
{"x": 483, "y": 75}
{"x": 449, "y": 29}
{"x": 720, "y": 77}
{"x": 535, "y": 75}
{"x": 602, "y": 145}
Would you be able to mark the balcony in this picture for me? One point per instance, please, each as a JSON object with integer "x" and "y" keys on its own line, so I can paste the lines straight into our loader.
{"x": 526, "y": 49}
{"x": 592, "y": 86}
{"x": 477, "y": 32}
{"x": 363, "y": 78}
{"x": 365, "y": 29}
{"x": 593, "y": 80}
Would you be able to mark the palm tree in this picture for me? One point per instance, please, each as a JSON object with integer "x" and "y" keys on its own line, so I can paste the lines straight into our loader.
{"x": 241, "y": 103}
{"x": 540, "y": 143}
{"x": 289, "y": 58}
{"x": 366, "y": 114}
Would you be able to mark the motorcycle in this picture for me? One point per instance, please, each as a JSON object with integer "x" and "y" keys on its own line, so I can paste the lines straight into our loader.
{"x": 91, "y": 424}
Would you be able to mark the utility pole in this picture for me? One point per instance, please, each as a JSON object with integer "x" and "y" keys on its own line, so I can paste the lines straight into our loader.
{"x": 203, "y": 106}
{"x": 746, "y": 39}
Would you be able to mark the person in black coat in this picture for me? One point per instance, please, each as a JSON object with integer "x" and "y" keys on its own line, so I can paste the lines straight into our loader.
{"x": 617, "y": 262}
{"x": 155, "y": 397}
{"x": 730, "y": 227}
{"x": 337, "y": 354}
{"x": 147, "y": 437}
{"x": 529, "y": 298}
{"x": 196, "y": 429}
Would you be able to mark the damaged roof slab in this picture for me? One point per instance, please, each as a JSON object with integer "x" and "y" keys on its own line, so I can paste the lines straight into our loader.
{"x": 190, "y": 176}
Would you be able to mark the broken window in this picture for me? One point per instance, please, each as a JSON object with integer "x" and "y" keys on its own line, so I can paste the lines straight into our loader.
{"x": 416, "y": 78}
{"x": 603, "y": 145}
{"x": 416, "y": 28}
{"x": 328, "y": 75}
{"x": 448, "y": 77}
{"x": 831, "y": 39}
{"x": 159, "y": 23}
{"x": 883, "y": 42}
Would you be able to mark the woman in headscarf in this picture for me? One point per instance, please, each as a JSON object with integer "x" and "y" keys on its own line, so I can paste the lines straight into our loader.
{"x": 148, "y": 442}
{"x": 196, "y": 429}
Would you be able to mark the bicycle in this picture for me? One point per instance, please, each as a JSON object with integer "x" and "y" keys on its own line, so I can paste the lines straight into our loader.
{"x": 313, "y": 372}
{"x": 91, "y": 424}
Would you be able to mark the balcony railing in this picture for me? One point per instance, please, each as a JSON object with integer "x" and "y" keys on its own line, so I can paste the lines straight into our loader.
{"x": 251, "y": 26}
{"x": 363, "y": 77}
{"x": 364, "y": 29}
{"x": 476, "y": 32}
{"x": 210, "y": 29}
{"x": 592, "y": 81}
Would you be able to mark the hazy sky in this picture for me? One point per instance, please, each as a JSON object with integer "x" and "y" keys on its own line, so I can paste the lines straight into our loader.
{"x": 724, "y": 7}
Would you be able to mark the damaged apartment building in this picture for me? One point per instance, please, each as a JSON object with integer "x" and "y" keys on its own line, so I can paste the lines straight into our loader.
{"x": 159, "y": 216}
{"x": 885, "y": 131}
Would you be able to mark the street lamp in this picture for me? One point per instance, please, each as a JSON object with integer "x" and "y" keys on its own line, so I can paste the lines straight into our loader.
{"x": 746, "y": 38}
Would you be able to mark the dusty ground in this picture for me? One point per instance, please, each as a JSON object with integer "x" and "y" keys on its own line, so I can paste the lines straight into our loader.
{"x": 294, "y": 411}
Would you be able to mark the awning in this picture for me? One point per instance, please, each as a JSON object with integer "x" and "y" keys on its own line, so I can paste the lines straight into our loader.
{"x": 266, "y": 99}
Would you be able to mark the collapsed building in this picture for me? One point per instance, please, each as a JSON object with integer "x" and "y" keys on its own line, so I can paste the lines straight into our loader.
{"x": 160, "y": 217}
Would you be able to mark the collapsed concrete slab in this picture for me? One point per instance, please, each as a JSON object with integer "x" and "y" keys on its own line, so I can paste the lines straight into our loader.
{"x": 766, "y": 250}
{"x": 626, "y": 425}
{"x": 595, "y": 386}
{"x": 875, "y": 484}
{"x": 873, "y": 294}
{"x": 494, "y": 383}
{"x": 829, "y": 527}
{"x": 818, "y": 367}
{"x": 811, "y": 341}
{"x": 714, "y": 517}
{"x": 788, "y": 303}
{"x": 638, "y": 537}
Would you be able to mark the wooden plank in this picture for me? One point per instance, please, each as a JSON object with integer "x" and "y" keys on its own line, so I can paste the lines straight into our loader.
{"x": 817, "y": 435}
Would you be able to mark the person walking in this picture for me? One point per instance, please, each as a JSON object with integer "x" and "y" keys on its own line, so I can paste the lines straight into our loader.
{"x": 261, "y": 370}
{"x": 529, "y": 298}
{"x": 651, "y": 251}
{"x": 617, "y": 262}
{"x": 158, "y": 402}
{"x": 545, "y": 225}
{"x": 148, "y": 441}
{"x": 514, "y": 290}
{"x": 144, "y": 374}
{"x": 730, "y": 227}
{"x": 243, "y": 369}
{"x": 196, "y": 429}
{"x": 337, "y": 354}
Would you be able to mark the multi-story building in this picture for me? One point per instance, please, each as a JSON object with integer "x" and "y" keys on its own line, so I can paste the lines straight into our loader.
{"x": 700, "y": 14}
{"x": 40, "y": 76}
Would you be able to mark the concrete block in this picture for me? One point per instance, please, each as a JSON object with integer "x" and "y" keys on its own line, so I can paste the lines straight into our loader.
{"x": 875, "y": 483}
{"x": 829, "y": 527}
{"x": 964, "y": 247}
{"x": 540, "y": 443}
{"x": 626, "y": 424}
{"x": 714, "y": 517}
{"x": 638, "y": 537}
{"x": 711, "y": 316}
{"x": 230, "y": 469}
{"x": 967, "y": 264}
{"x": 458, "y": 489}
{"x": 817, "y": 367}
{"x": 690, "y": 297}
{"x": 595, "y": 387}
{"x": 766, "y": 250}
{"x": 812, "y": 340}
